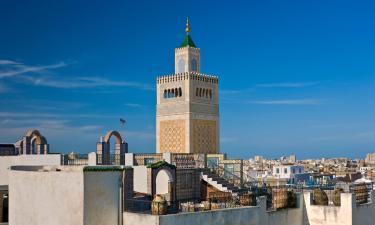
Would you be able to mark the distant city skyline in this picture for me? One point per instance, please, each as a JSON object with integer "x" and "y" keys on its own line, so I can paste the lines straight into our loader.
{"x": 296, "y": 77}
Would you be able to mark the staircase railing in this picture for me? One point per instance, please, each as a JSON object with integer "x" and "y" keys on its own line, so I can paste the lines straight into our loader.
{"x": 231, "y": 177}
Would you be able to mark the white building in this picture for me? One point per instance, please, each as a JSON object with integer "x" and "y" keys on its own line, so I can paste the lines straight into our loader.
{"x": 287, "y": 171}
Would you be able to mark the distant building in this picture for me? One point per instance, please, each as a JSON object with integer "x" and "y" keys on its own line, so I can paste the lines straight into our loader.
{"x": 370, "y": 159}
{"x": 287, "y": 171}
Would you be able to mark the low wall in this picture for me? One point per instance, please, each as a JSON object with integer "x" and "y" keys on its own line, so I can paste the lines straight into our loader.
{"x": 291, "y": 216}
{"x": 64, "y": 195}
{"x": 45, "y": 198}
{"x": 349, "y": 213}
{"x": 244, "y": 215}
{"x": 329, "y": 215}
{"x": 26, "y": 160}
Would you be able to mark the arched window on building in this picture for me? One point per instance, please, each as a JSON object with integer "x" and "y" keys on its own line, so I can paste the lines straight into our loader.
{"x": 172, "y": 93}
{"x": 165, "y": 94}
{"x": 179, "y": 92}
{"x": 200, "y": 92}
{"x": 194, "y": 65}
{"x": 210, "y": 94}
{"x": 169, "y": 93}
{"x": 197, "y": 92}
{"x": 181, "y": 66}
{"x": 176, "y": 93}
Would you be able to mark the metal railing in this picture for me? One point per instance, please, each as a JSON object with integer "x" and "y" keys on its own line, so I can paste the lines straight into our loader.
{"x": 111, "y": 159}
{"x": 75, "y": 159}
{"x": 172, "y": 207}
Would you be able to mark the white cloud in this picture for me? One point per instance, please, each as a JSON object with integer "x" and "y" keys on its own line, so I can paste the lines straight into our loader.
{"x": 133, "y": 105}
{"x": 288, "y": 85}
{"x": 83, "y": 82}
{"x": 289, "y": 102}
{"x": 10, "y": 68}
{"x": 41, "y": 76}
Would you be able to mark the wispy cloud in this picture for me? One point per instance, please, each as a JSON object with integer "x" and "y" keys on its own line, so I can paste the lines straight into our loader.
{"x": 10, "y": 68}
{"x": 133, "y": 105}
{"x": 288, "y": 84}
{"x": 237, "y": 91}
{"x": 83, "y": 82}
{"x": 42, "y": 75}
{"x": 289, "y": 102}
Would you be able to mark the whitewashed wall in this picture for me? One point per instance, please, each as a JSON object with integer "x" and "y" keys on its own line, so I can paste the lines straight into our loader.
{"x": 140, "y": 179}
{"x": 38, "y": 160}
{"x": 46, "y": 198}
{"x": 101, "y": 198}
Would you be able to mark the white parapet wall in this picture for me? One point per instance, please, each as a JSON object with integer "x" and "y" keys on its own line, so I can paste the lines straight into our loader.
{"x": 25, "y": 160}
{"x": 252, "y": 215}
{"x": 46, "y": 195}
{"x": 349, "y": 213}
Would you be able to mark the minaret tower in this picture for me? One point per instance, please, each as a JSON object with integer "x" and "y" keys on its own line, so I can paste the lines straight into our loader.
{"x": 187, "y": 111}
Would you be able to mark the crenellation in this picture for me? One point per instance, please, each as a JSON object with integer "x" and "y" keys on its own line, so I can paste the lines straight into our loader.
{"x": 187, "y": 76}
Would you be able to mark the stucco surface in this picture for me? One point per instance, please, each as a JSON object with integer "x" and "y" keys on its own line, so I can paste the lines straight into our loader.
{"x": 101, "y": 198}
{"x": 140, "y": 179}
{"x": 46, "y": 198}
{"x": 7, "y": 161}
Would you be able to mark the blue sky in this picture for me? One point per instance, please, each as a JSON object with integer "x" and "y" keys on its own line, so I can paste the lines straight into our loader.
{"x": 295, "y": 76}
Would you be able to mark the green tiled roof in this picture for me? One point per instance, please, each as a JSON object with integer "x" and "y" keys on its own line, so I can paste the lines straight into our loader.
{"x": 188, "y": 41}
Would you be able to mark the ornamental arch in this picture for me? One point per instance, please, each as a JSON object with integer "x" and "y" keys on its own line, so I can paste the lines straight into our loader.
{"x": 32, "y": 143}
{"x": 103, "y": 149}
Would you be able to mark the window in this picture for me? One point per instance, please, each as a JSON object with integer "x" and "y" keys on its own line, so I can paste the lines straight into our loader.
{"x": 285, "y": 170}
{"x": 181, "y": 66}
{"x": 300, "y": 170}
{"x": 173, "y": 93}
{"x": 277, "y": 170}
{"x": 293, "y": 170}
{"x": 194, "y": 66}
{"x": 210, "y": 94}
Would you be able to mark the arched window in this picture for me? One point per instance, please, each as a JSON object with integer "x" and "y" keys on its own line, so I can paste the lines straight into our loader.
{"x": 200, "y": 92}
{"x": 169, "y": 93}
{"x": 210, "y": 94}
{"x": 176, "y": 92}
{"x": 172, "y": 93}
{"x": 197, "y": 92}
{"x": 180, "y": 92}
{"x": 206, "y": 93}
{"x": 165, "y": 94}
{"x": 181, "y": 66}
{"x": 194, "y": 65}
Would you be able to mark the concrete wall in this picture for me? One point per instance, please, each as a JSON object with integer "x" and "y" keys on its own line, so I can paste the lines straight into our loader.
{"x": 7, "y": 161}
{"x": 45, "y": 198}
{"x": 102, "y": 198}
{"x": 238, "y": 216}
{"x": 330, "y": 215}
{"x": 284, "y": 216}
{"x": 140, "y": 179}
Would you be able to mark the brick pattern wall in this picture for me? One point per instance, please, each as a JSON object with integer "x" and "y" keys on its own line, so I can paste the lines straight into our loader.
{"x": 172, "y": 136}
{"x": 204, "y": 136}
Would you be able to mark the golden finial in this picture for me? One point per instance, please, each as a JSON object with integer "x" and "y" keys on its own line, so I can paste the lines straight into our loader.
{"x": 187, "y": 26}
